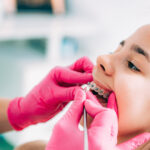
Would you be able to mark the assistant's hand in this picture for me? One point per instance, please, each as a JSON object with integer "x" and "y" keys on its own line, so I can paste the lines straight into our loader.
{"x": 105, "y": 125}
{"x": 102, "y": 134}
{"x": 66, "y": 134}
{"x": 50, "y": 96}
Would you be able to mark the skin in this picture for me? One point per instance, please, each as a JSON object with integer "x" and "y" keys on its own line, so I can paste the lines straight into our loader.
{"x": 34, "y": 145}
{"x": 131, "y": 83}
{"x": 4, "y": 123}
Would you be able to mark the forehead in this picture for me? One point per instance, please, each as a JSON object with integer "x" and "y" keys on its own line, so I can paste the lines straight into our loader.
{"x": 141, "y": 37}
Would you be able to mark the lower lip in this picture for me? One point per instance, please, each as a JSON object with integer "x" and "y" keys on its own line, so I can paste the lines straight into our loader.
{"x": 112, "y": 103}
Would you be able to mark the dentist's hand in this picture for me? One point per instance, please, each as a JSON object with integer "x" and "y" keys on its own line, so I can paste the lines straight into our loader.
{"x": 51, "y": 95}
{"x": 102, "y": 133}
{"x": 66, "y": 134}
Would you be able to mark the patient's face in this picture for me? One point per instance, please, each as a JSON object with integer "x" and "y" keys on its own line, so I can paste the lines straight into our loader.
{"x": 127, "y": 73}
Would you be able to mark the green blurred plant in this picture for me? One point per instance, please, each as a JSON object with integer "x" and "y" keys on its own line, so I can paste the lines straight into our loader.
{"x": 5, "y": 145}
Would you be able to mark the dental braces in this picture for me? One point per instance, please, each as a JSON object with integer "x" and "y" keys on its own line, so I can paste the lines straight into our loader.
{"x": 92, "y": 86}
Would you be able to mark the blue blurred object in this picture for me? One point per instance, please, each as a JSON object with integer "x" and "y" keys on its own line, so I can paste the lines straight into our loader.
{"x": 4, "y": 145}
{"x": 27, "y": 6}
{"x": 69, "y": 47}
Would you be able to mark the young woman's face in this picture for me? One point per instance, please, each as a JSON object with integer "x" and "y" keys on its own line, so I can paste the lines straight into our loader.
{"x": 127, "y": 73}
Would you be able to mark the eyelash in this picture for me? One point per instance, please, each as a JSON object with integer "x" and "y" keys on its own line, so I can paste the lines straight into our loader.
{"x": 130, "y": 65}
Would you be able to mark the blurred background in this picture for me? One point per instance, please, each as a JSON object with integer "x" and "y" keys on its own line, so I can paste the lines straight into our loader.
{"x": 36, "y": 35}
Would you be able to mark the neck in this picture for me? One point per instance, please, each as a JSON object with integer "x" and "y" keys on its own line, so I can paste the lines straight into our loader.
{"x": 125, "y": 138}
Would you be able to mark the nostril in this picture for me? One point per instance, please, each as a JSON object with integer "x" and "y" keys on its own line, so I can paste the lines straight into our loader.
{"x": 102, "y": 67}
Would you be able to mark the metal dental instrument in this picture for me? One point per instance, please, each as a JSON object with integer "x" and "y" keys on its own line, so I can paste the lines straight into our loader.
{"x": 85, "y": 88}
{"x": 85, "y": 132}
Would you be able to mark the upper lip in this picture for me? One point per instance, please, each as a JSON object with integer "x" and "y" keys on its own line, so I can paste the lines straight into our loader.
{"x": 101, "y": 85}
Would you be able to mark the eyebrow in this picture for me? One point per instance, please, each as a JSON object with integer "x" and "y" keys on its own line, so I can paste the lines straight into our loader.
{"x": 136, "y": 48}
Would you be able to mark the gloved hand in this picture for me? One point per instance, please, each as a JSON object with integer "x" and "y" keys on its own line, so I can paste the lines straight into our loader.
{"x": 106, "y": 123}
{"x": 106, "y": 129}
{"x": 66, "y": 135}
{"x": 51, "y": 95}
{"x": 102, "y": 134}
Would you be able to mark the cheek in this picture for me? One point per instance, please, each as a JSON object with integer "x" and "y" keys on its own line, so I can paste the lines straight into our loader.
{"x": 129, "y": 93}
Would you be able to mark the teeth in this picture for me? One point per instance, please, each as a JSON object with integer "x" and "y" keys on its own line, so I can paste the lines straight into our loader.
{"x": 93, "y": 86}
{"x": 100, "y": 92}
{"x": 96, "y": 89}
{"x": 89, "y": 83}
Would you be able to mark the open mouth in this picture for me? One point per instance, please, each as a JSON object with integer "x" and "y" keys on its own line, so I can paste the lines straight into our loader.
{"x": 101, "y": 94}
{"x": 105, "y": 97}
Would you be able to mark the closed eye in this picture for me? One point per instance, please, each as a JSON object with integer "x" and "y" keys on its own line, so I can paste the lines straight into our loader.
{"x": 132, "y": 66}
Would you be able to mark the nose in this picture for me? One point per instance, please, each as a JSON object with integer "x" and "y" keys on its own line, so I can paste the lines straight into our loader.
{"x": 104, "y": 63}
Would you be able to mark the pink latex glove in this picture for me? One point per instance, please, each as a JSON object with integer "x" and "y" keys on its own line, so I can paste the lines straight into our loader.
{"x": 107, "y": 122}
{"x": 66, "y": 135}
{"x": 106, "y": 128}
{"x": 102, "y": 134}
{"x": 51, "y": 95}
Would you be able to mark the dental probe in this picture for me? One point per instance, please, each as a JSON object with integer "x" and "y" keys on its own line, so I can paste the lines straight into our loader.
{"x": 85, "y": 88}
{"x": 85, "y": 132}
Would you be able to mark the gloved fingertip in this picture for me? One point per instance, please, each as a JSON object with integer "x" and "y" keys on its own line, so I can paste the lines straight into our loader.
{"x": 90, "y": 65}
{"x": 83, "y": 64}
{"x": 89, "y": 68}
{"x": 112, "y": 103}
{"x": 76, "y": 110}
{"x": 89, "y": 77}
{"x": 75, "y": 90}
{"x": 92, "y": 107}
{"x": 71, "y": 92}
{"x": 80, "y": 95}
{"x": 90, "y": 96}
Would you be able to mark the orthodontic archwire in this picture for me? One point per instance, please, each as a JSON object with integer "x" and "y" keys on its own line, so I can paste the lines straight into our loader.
{"x": 92, "y": 86}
